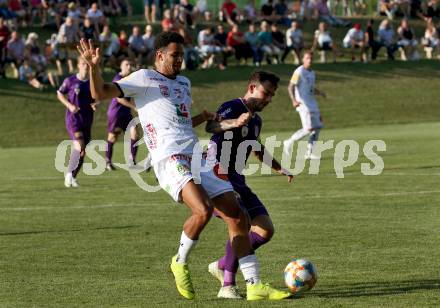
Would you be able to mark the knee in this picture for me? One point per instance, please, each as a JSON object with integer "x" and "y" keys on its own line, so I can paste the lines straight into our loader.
{"x": 268, "y": 232}
{"x": 203, "y": 214}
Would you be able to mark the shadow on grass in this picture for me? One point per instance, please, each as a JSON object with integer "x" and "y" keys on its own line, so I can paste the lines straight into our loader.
{"x": 69, "y": 230}
{"x": 379, "y": 288}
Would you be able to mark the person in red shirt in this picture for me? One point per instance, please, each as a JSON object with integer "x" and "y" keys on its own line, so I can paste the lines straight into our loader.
{"x": 229, "y": 12}
{"x": 237, "y": 41}
{"x": 4, "y": 38}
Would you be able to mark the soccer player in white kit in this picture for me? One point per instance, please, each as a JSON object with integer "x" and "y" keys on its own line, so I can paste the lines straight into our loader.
{"x": 302, "y": 92}
{"x": 163, "y": 100}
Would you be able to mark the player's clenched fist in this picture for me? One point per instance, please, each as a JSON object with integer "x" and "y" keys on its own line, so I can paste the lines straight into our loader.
{"x": 244, "y": 118}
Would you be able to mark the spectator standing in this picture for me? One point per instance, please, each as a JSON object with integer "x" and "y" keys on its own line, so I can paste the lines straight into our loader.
{"x": 15, "y": 51}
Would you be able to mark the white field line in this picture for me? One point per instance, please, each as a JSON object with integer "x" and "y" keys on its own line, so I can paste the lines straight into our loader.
{"x": 99, "y": 206}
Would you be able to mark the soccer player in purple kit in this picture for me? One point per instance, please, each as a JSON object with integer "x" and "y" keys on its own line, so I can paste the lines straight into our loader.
{"x": 118, "y": 118}
{"x": 75, "y": 95}
{"x": 239, "y": 117}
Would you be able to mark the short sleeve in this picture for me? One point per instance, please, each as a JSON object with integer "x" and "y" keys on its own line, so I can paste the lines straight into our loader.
{"x": 64, "y": 88}
{"x": 296, "y": 78}
{"x": 132, "y": 85}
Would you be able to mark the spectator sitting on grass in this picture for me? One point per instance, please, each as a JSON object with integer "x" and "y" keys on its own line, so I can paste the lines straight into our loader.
{"x": 88, "y": 30}
{"x": 281, "y": 13}
{"x": 387, "y": 38}
{"x": 237, "y": 42}
{"x": 137, "y": 46}
{"x": 322, "y": 12}
{"x": 96, "y": 16}
{"x": 221, "y": 38}
{"x": 149, "y": 40}
{"x": 110, "y": 46}
{"x": 268, "y": 11}
{"x": 253, "y": 40}
{"x": 431, "y": 37}
{"x": 208, "y": 47}
{"x": 250, "y": 11}
{"x": 294, "y": 42}
{"x": 229, "y": 12}
{"x": 278, "y": 38}
{"x": 270, "y": 50}
{"x": 167, "y": 22}
{"x": 323, "y": 40}
{"x": 355, "y": 39}
{"x": 370, "y": 41}
{"x": 26, "y": 74}
{"x": 407, "y": 40}
{"x": 74, "y": 13}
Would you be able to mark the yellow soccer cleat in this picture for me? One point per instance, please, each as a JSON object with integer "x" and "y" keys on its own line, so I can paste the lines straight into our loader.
{"x": 183, "y": 278}
{"x": 261, "y": 291}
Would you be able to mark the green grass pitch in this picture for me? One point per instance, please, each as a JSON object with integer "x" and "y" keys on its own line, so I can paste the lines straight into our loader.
{"x": 374, "y": 239}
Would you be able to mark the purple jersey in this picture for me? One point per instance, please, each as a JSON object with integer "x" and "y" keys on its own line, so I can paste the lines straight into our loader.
{"x": 78, "y": 93}
{"x": 249, "y": 132}
{"x": 115, "y": 109}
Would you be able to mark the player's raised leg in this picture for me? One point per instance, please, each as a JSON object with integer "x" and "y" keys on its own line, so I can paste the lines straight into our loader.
{"x": 227, "y": 207}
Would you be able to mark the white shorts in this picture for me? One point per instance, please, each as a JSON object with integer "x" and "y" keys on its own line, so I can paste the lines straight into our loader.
{"x": 173, "y": 173}
{"x": 310, "y": 119}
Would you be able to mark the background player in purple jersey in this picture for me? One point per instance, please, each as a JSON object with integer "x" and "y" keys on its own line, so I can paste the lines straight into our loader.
{"x": 75, "y": 95}
{"x": 118, "y": 118}
{"x": 239, "y": 117}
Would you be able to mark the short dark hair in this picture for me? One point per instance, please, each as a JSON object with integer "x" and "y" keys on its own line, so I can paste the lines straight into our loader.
{"x": 262, "y": 76}
{"x": 163, "y": 39}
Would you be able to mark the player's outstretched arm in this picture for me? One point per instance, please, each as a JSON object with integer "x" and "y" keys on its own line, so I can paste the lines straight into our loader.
{"x": 215, "y": 127}
{"x": 265, "y": 157}
{"x": 203, "y": 117}
{"x": 99, "y": 89}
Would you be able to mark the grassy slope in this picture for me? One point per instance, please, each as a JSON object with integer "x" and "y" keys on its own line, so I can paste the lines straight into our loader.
{"x": 358, "y": 94}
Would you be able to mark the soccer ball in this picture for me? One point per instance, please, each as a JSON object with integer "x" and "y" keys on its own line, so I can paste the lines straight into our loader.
{"x": 300, "y": 275}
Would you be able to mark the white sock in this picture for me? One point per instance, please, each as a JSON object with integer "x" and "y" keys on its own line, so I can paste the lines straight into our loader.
{"x": 298, "y": 135}
{"x": 250, "y": 268}
{"x": 186, "y": 244}
{"x": 309, "y": 148}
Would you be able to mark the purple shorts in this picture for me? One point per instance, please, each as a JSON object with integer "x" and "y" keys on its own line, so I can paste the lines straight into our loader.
{"x": 115, "y": 122}
{"x": 80, "y": 124}
{"x": 248, "y": 200}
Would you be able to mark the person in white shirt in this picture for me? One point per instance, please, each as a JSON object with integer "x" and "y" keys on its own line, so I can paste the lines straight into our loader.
{"x": 302, "y": 92}
{"x": 355, "y": 39}
{"x": 323, "y": 40}
{"x": 294, "y": 42}
{"x": 163, "y": 100}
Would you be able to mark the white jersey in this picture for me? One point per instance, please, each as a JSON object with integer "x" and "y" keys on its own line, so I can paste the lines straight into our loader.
{"x": 304, "y": 81}
{"x": 353, "y": 35}
{"x": 163, "y": 106}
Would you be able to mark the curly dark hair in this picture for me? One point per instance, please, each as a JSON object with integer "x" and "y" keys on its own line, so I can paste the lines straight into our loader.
{"x": 163, "y": 39}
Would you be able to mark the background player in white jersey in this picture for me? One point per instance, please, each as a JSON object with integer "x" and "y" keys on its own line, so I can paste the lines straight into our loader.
{"x": 163, "y": 100}
{"x": 302, "y": 92}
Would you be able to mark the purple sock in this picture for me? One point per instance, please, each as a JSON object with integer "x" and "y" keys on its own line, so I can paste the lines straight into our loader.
{"x": 229, "y": 263}
{"x": 80, "y": 162}
{"x": 133, "y": 150}
{"x": 109, "y": 152}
